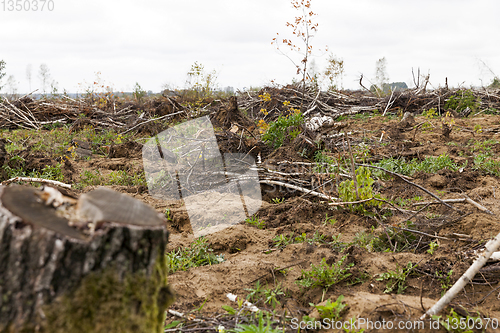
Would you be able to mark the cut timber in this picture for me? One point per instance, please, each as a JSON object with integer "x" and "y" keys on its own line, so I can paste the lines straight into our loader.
{"x": 105, "y": 271}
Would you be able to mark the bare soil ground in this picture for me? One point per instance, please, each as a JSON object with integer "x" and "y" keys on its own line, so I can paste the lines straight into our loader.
{"x": 251, "y": 255}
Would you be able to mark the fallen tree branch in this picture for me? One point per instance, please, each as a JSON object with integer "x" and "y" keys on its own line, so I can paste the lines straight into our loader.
{"x": 409, "y": 182}
{"x": 301, "y": 189}
{"x": 36, "y": 180}
{"x": 466, "y": 199}
{"x": 490, "y": 248}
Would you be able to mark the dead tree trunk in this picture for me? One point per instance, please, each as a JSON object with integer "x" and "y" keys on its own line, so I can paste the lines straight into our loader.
{"x": 97, "y": 266}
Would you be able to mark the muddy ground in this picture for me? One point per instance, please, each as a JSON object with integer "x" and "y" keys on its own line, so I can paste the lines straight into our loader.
{"x": 251, "y": 255}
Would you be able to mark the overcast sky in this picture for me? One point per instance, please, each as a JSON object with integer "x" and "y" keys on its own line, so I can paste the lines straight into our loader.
{"x": 155, "y": 42}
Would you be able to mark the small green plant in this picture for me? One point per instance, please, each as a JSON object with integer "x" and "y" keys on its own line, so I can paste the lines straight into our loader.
{"x": 168, "y": 214}
{"x": 461, "y": 100}
{"x": 432, "y": 247}
{"x": 430, "y": 114}
{"x": 255, "y": 293}
{"x": 397, "y": 278}
{"x": 263, "y": 326}
{"x": 254, "y": 220}
{"x": 338, "y": 245}
{"x": 325, "y": 275}
{"x": 300, "y": 238}
{"x": 195, "y": 255}
{"x": 50, "y": 172}
{"x": 278, "y": 200}
{"x": 478, "y": 128}
{"x": 331, "y": 310}
{"x": 347, "y": 192}
{"x": 330, "y": 220}
{"x": 445, "y": 280}
{"x": 283, "y": 240}
{"x": 364, "y": 240}
{"x": 317, "y": 238}
{"x": 271, "y": 296}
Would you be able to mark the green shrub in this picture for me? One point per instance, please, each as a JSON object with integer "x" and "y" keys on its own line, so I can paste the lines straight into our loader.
{"x": 278, "y": 130}
{"x": 461, "y": 100}
{"x": 347, "y": 191}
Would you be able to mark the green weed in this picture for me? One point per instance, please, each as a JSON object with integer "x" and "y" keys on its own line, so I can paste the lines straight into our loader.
{"x": 255, "y": 293}
{"x": 325, "y": 275}
{"x": 254, "y": 220}
{"x": 432, "y": 247}
{"x": 396, "y": 279}
{"x": 484, "y": 163}
{"x": 445, "y": 280}
{"x": 263, "y": 326}
{"x": 330, "y": 220}
{"x": 331, "y": 310}
{"x": 48, "y": 172}
{"x": 278, "y": 200}
{"x": 271, "y": 296}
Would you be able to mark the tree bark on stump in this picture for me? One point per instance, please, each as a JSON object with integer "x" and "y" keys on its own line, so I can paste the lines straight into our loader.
{"x": 97, "y": 266}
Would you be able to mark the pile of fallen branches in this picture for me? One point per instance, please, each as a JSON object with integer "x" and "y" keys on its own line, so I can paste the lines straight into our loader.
{"x": 122, "y": 115}
{"x": 128, "y": 115}
{"x": 335, "y": 104}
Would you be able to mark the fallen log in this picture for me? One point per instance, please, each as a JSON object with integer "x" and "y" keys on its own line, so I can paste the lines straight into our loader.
{"x": 94, "y": 266}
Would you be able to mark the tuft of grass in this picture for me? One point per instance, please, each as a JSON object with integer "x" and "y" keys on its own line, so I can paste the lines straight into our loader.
{"x": 119, "y": 177}
{"x": 430, "y": 164}
{"x": 50, "y": 172}
{"x": 195, "y": 255}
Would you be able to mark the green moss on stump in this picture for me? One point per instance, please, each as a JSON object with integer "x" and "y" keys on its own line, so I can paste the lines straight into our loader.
{"x": 104, "y": 303}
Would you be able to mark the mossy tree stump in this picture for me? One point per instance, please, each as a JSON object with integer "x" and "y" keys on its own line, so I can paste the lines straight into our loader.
{"x": 94, "y": 266}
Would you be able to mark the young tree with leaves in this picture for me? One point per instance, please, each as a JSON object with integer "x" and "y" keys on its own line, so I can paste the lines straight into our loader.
{"x": 302, "y": 29}
{"x": 201, "y": 81}
{"x": 334, "y": 72}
